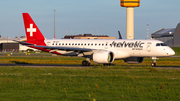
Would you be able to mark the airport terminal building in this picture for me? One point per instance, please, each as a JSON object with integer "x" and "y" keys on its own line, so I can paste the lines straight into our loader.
{"x": 88, "y": 36}
{"x": 8, "y": 45}
{"x": 170, "y": 36}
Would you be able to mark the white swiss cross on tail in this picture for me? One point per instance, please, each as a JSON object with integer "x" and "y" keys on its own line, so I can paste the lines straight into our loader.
{"x": 31, "y": 30}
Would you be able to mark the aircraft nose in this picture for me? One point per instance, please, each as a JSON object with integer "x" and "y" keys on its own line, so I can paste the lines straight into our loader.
{"x": 170, "y": 52}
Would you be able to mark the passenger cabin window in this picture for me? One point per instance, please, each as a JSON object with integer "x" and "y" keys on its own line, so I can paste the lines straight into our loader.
{"x": 161, "y": 44}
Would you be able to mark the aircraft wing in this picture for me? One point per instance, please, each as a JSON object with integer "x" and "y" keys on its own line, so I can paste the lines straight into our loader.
{"x": 66, "y": 48}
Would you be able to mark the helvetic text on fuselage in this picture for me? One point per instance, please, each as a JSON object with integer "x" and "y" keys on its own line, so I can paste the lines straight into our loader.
{"x": 134, "y": 45}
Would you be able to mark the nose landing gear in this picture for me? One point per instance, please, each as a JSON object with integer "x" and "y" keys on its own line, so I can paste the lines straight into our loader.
{"x": 153, "y": 64}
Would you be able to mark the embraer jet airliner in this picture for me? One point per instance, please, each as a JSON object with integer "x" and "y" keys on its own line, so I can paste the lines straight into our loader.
{"x": 100, "y": 51}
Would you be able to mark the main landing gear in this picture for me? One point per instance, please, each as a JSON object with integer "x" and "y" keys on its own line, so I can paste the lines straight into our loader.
{"x": 86, "y": 62}
{"x": 153, "y": 64}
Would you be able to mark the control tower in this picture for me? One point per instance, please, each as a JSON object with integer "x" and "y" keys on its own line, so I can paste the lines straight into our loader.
{"x": 130, "y": 4}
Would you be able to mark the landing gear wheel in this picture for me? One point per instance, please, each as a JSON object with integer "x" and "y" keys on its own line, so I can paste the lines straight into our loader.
{"x": 85, "y": 63}
{"x": 153, "y": 64}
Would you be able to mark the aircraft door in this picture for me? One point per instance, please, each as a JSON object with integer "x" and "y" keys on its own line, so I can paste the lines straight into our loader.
{"x": 149, "y": 46}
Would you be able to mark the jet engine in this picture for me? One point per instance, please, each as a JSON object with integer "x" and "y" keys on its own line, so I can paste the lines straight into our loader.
{"x": 134, "y": 60}
{"x": 104, "y": 57}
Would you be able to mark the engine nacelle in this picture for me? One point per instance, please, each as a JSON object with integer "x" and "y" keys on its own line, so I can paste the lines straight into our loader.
{"x": 134, "y": 60}
{"x": 103, "y": 57}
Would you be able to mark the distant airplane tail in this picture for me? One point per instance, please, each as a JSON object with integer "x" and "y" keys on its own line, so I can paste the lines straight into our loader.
{"x": 33, "y": 34}
{"x": 120, "y": 37}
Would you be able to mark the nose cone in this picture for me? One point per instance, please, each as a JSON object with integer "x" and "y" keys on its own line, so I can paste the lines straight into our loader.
{"x": 170, "y": 52}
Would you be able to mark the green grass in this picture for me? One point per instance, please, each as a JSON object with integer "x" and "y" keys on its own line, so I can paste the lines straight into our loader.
{"x": 60, "y": 60}
{"x": 170, "y": 61}
{"x": 177, "y": 50}
{"x": 85, "y": 84}
{"x": 114, "y": 83}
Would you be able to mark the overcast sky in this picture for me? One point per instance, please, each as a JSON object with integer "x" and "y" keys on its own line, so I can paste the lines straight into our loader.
{"x": 83, "y": 16}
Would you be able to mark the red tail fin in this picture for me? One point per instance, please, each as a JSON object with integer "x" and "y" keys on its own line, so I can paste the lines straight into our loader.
{"x": 33, "y": 33}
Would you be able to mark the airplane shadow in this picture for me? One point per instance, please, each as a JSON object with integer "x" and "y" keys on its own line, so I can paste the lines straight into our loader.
{"x": 177, "y": 67}
{"x": 16, "y": 63}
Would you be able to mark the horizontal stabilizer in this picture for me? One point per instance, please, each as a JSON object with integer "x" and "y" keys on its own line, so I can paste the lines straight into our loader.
{"x": 23, "y": 43}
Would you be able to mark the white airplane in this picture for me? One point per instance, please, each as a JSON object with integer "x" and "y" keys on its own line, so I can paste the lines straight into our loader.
{"x": 100, "y": 51}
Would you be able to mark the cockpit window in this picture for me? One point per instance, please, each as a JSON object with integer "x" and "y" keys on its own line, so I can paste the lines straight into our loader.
{"x": 161, "y": 44}
{"x": 158, "y": 44}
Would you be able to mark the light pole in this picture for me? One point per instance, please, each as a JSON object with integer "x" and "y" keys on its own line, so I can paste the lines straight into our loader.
{"x": 54, "y": 23}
